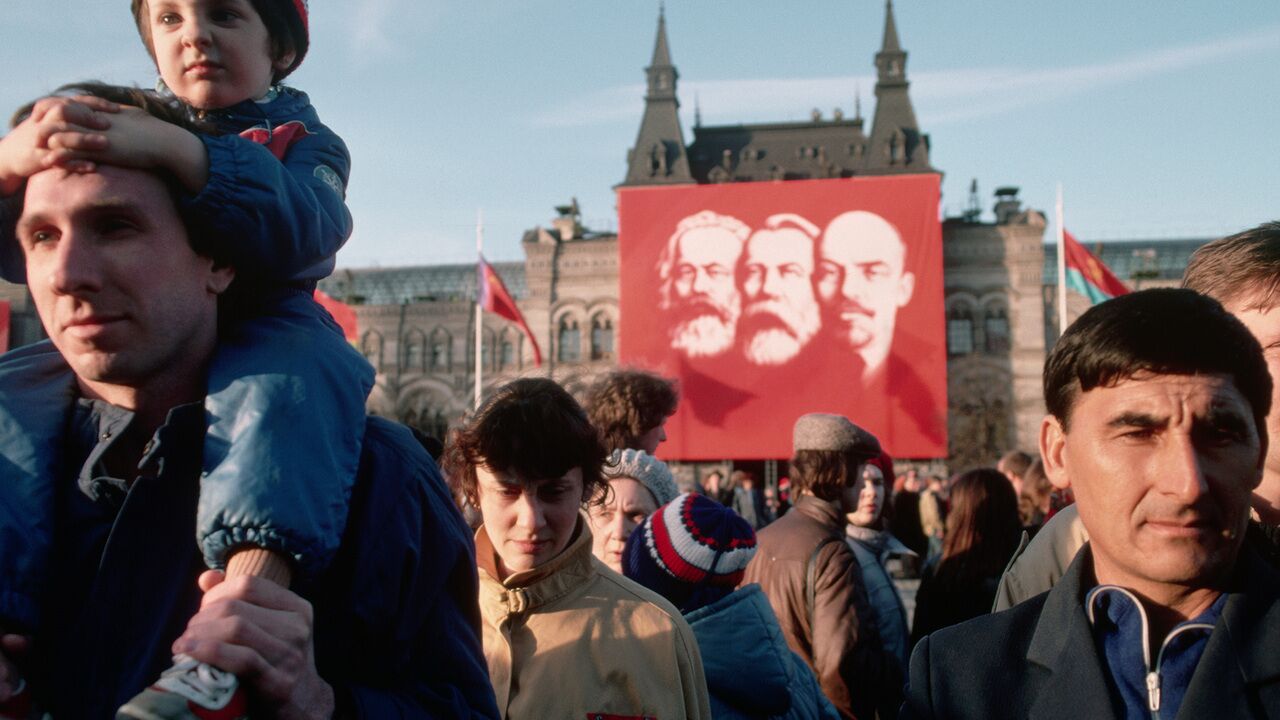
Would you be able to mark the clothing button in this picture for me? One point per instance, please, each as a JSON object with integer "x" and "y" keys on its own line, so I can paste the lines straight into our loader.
{"x": 106, "y": 435}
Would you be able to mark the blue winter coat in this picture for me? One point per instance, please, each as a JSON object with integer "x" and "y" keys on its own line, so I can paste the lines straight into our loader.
{"x": 396, "y": 619}
{"x": 751, "y": 673}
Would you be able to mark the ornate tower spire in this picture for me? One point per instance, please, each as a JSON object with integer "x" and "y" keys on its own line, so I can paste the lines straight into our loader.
{"x": 896, "y": 142}
{"x": 659, "y": 156}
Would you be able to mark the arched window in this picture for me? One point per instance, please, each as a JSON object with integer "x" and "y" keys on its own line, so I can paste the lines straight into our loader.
{"x": 440, "y": 347}
{"x": 371, "y": 348}
{"x": 601, "y": 338}
{"x": 959, "y": 331}
{"x": 414, "y": 347}
{"x": 486, "y": 350}
{"x": 570, "y": 340}
{"x": 996, "y": 328}
{"x": 507, "y": 355}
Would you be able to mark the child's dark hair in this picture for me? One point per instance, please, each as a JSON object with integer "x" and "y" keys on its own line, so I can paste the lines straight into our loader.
{"x": 284, "y": 26}
{"x": 532, "y": 428}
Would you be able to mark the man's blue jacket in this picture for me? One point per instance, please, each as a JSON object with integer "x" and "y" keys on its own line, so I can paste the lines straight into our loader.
{"x": 395, "y": 615}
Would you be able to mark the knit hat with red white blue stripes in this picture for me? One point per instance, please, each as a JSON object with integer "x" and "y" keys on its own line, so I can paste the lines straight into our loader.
{"x": 692, "y": 551}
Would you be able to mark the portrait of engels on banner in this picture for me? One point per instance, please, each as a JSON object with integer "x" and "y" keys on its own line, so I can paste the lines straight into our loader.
{"x": 766, "y": 309}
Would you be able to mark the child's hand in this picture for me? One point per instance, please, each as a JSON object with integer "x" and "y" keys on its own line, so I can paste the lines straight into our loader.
{"x": 135, "y": 139}
{"x": 25, "y": 150}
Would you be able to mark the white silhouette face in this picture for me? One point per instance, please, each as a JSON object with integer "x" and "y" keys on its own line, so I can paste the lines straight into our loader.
{"x": 780, "y": 314}
{"x": 862, "y": 283}
{"x": 703, "y": 301}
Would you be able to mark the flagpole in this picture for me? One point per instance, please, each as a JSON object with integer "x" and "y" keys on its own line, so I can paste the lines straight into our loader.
{"x": 479, "y": 310}
{"x": 1062, "y": 268}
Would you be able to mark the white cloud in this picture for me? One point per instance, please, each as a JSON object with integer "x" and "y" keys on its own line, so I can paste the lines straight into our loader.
{"x": 948, "y": 95}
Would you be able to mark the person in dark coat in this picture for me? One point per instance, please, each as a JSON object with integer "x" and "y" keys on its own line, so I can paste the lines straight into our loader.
{"x": 982, "y": 533}
{"x": 1167, "y": 611}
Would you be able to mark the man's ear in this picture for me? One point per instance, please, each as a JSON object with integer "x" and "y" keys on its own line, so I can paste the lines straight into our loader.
{"x": 1053, "y": 442}
{"x": 906, "y": 288}
{"x": 220, "y": 277}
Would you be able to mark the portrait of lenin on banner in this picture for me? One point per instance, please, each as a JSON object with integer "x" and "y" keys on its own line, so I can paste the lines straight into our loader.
{"x": 770, "y": 300}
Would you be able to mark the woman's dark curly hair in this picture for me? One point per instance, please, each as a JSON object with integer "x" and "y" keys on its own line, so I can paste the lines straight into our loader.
{"x": 531, "y": 428}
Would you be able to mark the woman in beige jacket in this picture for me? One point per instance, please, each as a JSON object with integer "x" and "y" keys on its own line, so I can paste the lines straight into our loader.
{"x": 564, "y": 636}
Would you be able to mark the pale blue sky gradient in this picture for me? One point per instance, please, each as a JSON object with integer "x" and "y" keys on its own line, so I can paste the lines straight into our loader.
{"x": 1160, "y": 119}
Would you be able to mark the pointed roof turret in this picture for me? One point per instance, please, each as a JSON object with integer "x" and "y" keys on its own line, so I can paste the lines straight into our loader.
{"x": 890, "y": 42}
{"x": 661, "y": 53}
{"x": 897, "y": 145}
{"x": 659, "y": 156}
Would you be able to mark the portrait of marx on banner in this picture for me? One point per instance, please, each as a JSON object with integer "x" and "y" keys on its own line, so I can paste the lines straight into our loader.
{"x": 770, "y": 300}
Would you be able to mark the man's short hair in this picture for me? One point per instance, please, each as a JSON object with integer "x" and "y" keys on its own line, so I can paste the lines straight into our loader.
{"x": 532, "y": 428}
{"x": 1241, "y": 267}
{"x": 1163, "y": 331}
{"x": 1015, "y": 462}
{"x": 12, "y": 263}
{"x": 825, "y": 473}
{"x": 626, "y": 404}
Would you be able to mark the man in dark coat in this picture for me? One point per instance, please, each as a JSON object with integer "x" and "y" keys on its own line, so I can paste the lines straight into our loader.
{"x": 1161, "y": 435}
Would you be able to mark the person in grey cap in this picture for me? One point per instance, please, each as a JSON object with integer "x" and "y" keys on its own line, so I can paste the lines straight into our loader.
{"x": 638, "y": 484}
{"x": 812, "y": 578}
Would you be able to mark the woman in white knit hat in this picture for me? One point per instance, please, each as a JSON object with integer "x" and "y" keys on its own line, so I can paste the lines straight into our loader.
{"x": 638, "y": 484}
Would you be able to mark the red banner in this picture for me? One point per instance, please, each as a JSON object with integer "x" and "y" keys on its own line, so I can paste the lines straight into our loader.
{"x": 769, "y": 300}
{"x": 343, "y": 314}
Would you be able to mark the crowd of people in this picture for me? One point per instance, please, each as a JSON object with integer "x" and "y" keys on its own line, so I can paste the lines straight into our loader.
{"x": 549, "y": 565}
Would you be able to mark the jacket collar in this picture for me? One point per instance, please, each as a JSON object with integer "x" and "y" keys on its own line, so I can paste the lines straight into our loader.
{"x": 1239, "y": 652}
{"x": 527, "y": 591}
{"x": 1063, "y": 647}
{"x": 879, "y": 542}
{"x": 822, "y": 511}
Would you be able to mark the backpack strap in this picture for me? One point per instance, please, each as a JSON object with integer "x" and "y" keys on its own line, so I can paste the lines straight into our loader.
{"x": 810, "y": 581}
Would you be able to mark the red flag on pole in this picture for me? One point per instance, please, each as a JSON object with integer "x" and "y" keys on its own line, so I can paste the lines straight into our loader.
{"x": 494, "y": 298}
{"x": 1087, "y": 275}
{"x": 343, "y": 314}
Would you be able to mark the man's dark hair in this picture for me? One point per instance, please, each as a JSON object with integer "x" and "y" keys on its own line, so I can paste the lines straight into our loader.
{"x": 1241, "y": 267}
{"x": 1015, "y": 462}
{"x": 531, "y": 428}
{"x": 12, "y": 264}
{"x": 283, "y": 27}
{"x": 1164, "y": 331}
{"x": 626, "y": 404}
{"x": 825, "y": 473}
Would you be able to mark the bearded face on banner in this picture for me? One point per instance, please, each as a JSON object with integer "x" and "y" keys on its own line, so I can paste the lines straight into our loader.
{"x": 780, "y": 314}
{"x": 698, "y": 291}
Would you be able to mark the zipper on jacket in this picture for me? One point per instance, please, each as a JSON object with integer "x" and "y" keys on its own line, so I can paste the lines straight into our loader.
{"x": 1153, "y": 692}
{"x": 1153, "y": 677}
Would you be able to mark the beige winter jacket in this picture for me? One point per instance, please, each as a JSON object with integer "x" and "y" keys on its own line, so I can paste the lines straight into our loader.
{"x": 1037, "y": 565}
{"x": 574, "y": 639}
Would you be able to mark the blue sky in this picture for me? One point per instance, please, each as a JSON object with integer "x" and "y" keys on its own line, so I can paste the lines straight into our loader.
{"x": 1160, "y": 119}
